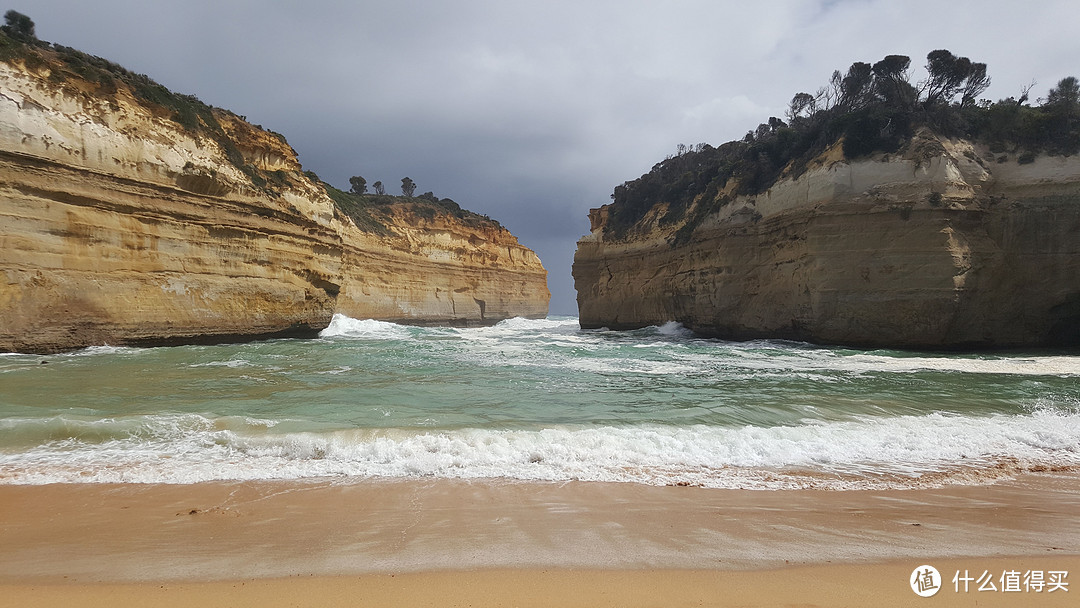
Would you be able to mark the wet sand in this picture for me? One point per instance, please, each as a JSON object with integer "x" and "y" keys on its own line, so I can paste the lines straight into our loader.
{"x": 492, "y": 543}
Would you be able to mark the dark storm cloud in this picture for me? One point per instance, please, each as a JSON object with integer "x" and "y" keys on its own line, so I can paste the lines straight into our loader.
{"x": 531, "y": 112}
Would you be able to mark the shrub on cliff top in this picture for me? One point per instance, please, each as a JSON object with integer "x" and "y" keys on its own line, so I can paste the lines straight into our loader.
{"x": 870, "y": 108}
{"x": 353, "y": 206}
{"x": 17, "y": 42}
{"x": 18, "y": 25}
{"x": 365, "y": 209}
{"x": 358, "y": 185}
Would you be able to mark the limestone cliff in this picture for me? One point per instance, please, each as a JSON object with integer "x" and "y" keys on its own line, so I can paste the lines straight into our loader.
{"x": 121, "y": 225}
{"x": 439, "y": 270}
{"x": 940, "y": 245}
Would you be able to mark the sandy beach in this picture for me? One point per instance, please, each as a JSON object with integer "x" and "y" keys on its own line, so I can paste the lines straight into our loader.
{"x": 497, "y": 543}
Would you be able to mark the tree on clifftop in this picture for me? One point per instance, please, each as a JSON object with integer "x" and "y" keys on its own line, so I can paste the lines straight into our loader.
{"x": 893, "y": 82}
{"x": 1063, "y": 116}
{"x": 359, "y": 184}
{"x": 379, "y": 189}
{"x": 1066, "y": 94}
{"x": 19, "y": 26}
{"x": 408, "y": 187}
{"x": 950, "y": 75}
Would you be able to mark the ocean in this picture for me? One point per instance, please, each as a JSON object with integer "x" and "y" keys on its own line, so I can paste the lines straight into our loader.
{"x": 536, "y": 400}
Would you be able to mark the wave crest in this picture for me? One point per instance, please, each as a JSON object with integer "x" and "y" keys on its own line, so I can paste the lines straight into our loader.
{"x": 368, "y": 329}
{"x": 906, "y": 451}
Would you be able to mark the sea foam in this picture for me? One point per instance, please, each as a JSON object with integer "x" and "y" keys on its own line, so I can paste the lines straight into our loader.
{"x": 543, "y": 400}
{"x": 370, "y": 329}
{"x": 895, "y": 452}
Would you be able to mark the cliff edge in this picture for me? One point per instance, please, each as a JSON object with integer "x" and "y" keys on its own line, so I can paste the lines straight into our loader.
{"x": 131, "y": 215}
{"x": 882, "y": 213}
{"x": 939, "y": 244}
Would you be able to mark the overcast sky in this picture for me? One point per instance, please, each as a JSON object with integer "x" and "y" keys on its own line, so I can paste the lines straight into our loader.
{"x": 532, "y": 112}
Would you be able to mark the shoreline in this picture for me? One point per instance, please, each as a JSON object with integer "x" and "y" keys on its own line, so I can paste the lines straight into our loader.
{"x": 447, "y": 542}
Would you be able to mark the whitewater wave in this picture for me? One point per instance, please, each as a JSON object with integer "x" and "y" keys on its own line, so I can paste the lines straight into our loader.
{"x": 536, "y": 399}
{"x": 369, "y": 329}
{"x": 518, "y": 336}
{"x": 105, "y": 349}
{"x": 1063, "y": 366}
{"x": 538, "y": 325}
{"x": 900, "y": 452}
{"x": 345, "y": 326}
{"x": 673, "y": 328}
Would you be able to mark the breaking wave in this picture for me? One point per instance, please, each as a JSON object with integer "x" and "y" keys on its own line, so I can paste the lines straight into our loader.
{"x": 905, "y": 451}
{"x": 536, "y": 399}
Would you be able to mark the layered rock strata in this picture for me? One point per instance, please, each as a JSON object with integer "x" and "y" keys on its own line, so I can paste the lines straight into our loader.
{"x": 118, "y": 226}
{"x": 942, "y": 246}
{"x": 439, "y": 271}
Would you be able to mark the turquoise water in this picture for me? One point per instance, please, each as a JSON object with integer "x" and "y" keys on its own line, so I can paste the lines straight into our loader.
{"x": 535, "y": 400}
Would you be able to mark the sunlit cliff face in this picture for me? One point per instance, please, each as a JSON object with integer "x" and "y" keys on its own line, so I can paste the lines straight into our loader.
{"x": 120, "y": 226}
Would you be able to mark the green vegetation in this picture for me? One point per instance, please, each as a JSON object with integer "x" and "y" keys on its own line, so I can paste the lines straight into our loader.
{"x": 872, "y": 108}
{"x": 67, "y": 66}
{"x": 17, "y": 39}
{"x": 78, "y": 72}
{"x": 355, "y": 206}
{"x": 365, "y": 210}
{"x": 19, "y": 26}
{"x": 359, "y": 184}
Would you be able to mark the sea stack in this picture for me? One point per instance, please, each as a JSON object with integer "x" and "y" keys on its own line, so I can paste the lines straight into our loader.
{"x": 133, "y": 215}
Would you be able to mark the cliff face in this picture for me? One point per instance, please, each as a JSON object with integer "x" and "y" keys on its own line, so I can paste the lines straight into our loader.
{"x": 439, "y": 271}
{"x": 938, "y": 246}
{"x": 117, "y": 226}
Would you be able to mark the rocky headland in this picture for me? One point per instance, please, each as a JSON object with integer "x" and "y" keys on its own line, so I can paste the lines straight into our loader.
{"x": 936, "y": 242}
{"x": 132, "y": 215}
{"x": 856, "y": 253}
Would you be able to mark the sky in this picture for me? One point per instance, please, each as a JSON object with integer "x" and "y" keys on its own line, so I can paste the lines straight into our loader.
{"x": 532, "y": 112}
